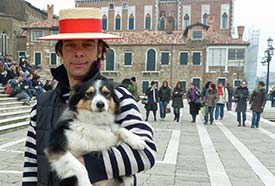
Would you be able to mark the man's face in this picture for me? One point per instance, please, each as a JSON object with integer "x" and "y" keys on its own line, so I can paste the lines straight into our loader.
{"x": 78, "y": 57}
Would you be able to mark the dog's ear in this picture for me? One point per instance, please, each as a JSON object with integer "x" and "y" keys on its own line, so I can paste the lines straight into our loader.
{"x": 75, "y": 96}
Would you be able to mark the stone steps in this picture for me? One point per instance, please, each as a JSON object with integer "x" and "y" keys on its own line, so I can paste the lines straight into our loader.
{"x": 13, "y": 114}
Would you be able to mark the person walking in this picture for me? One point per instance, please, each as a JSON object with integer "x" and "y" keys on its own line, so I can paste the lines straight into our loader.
{"x": 177, "y": 100}
{"x": 223, "y": 98}
{"x": 257, "y": 101}
{"x": 210, "y": 100}
{"x": 164, "y": 98}
{"x": 272, "y": 95}
{"x": 230, "y": 91}
{"x": 152, "y": 95}
{"x": 240, "y": 97}
{"x": 193, "y": 95}
{"x": 81, "y": 47}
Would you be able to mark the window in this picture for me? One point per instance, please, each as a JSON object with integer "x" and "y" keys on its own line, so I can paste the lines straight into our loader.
{"x": 205, "y": 19}
{"x": 216, "y": 57}
{"x": 197, "y": 82}
{"x": 197, "y": 35}
{"x": 183, "y": 84}
{"x": 148, "y": 22}
{"x": 162, "y": 23}
{"x": 111, "y": 6}
{"x": 196, "y": 58}
{"x": 237, "y": 83}
{"x": 131, "y": 22}
{"x": 174, "y": 24}
{"x": 104, "y": 22}
{"x": 184, "y": 58}
{"x": 37, "y": 58}
{"x": 4, "y": 42}
{"x": 124, "y": 5}
{"x": 145, "y": 86}
{"x": 151, "y": 60}
{"x": 110, "y": 60}
{"x": 236, "y": 54}
{"x": 165, "y": 58}
{"x": 222, "y": 80}
{"x": 224, "y": 21}
{"x": 36, "y": 34}
{"x": 53, "y": 42}
{"x": 53, "y": 59}
{"x": 117, "y": 25}
{"x": 186, "y": 20}
{"x": 128, "y": 58}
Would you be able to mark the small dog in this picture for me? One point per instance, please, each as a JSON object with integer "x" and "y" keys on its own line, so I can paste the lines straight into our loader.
{"x": 86, "y": 126}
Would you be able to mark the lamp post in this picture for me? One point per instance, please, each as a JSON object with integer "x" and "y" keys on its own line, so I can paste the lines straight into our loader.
{"x": 268, "y": 53}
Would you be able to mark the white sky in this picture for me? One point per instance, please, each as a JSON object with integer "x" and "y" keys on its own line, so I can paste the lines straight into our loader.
{"x": 250, "y": 13}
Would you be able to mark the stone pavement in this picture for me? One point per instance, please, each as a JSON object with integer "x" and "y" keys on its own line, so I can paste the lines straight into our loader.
{"x": 189, "y": 154}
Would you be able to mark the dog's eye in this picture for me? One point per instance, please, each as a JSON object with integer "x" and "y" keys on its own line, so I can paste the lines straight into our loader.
{"x": 89, "y": 94}
{"x": 106, "y": 94}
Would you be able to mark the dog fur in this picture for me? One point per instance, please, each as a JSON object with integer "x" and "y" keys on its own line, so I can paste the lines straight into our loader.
{"x": 86, "y": 126}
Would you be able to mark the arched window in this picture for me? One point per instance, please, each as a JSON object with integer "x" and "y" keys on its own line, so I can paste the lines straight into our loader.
{"x": 186, "y": 20}
{"x": 148, "y": 22}
{"x": 104, "y": 22}
{"x": 174, "y": 24}
{"x": 118, "y": 21}
{"x": 162, "y": 23}
{"x": 110, "y": 60}
{"x": 205, "y": 19}
{"x": 131, "y": 22}
{"x": 224, "y": 21}
{"x": 151, "y": 60}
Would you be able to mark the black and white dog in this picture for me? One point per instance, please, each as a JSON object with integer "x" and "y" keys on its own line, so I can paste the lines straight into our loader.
{"x": 87, "y": 125}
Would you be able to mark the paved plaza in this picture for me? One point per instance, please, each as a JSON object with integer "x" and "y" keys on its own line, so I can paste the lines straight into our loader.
{"x": 189, "y": 154}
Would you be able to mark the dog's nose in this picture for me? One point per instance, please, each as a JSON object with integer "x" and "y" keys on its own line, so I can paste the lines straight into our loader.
{"x": 100, "y": 104}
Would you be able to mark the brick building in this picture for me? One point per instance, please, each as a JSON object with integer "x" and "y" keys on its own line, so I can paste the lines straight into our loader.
{"x": 174, "y": 40}
{"x": 13, "y": 15}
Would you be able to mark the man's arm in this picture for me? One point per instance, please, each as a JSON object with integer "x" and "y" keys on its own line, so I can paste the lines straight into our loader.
{"x": 30, "y": 159}
{"x": 123, "y": 160}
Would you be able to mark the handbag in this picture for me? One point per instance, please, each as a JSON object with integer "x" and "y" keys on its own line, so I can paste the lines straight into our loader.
{"x": 198, "y": 101}
{"x": 144, "y": 100}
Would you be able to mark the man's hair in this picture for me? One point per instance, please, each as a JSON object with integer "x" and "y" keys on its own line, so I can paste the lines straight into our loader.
{"x": 105, "y": 47}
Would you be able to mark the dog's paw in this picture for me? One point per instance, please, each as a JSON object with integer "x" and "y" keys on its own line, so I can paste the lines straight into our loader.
{"x": 136, "y": 142}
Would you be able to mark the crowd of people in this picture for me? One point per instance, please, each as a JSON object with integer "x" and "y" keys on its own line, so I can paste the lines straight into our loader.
{"x": 23, "y": 78}
{"x": 211, "y": 101}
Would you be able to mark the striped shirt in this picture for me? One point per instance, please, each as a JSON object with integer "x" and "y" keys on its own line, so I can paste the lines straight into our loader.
{"x": 117, "y": 161}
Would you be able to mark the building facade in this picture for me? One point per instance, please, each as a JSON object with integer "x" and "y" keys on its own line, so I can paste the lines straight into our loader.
{"x": 187, "y": 41}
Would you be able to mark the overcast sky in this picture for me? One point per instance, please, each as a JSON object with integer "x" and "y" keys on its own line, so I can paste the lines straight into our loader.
{"x": 250, "y": 13}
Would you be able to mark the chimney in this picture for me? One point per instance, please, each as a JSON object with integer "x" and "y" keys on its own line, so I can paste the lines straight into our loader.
{"x": 50, "y": 12}
{"x": 240, "y": 32}
{"x": 169, "y": 25}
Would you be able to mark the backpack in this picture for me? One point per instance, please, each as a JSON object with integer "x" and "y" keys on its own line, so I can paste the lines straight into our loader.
{"x": 8, "y": 89}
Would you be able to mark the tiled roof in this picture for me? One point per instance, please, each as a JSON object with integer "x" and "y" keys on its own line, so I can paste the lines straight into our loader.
{"x": 42, "y": 24}
{"x": 161, "y": 37}
{"x": 221, "y": 39}
{"x": 149, "y": 38}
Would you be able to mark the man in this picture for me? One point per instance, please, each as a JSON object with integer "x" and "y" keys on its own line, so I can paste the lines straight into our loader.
{"x": 257, "y": 102}
{"x": 241, "y": 95}
{"x": 230, "y": 91}
{"x": 81, "y": 49}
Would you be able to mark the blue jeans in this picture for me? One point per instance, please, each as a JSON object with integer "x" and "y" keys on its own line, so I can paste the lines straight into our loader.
{"x": 162, "y": 108}
{"x": 239, "y": 117}
{"x": 255, "y": 119}
{"x": 210, "y": 111}
{"x": 219, "y": 111}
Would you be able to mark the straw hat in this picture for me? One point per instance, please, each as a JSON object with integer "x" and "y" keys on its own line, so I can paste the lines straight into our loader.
{"x": 80, "y": 23}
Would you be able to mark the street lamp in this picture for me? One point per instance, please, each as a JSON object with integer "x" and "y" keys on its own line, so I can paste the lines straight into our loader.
{"x": 268, "y": 53}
